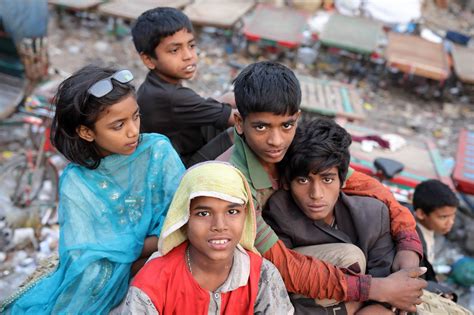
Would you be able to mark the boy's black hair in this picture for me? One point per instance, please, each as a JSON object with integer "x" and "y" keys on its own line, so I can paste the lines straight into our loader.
{"x": 267, "y": 87}
{"x": 318, "y": 145}
{"x": 76, "y": 107}
{"x": 433, "y": 194}
{"x": 154, "y": 25}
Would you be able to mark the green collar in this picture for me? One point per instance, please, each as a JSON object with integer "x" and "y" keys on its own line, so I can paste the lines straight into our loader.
{"x": 247, "y": 162}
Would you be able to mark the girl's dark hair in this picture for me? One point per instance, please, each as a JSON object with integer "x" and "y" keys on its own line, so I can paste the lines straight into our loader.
{"x": 318, "y": 145}
{"x": 267, "y": 86}
{"x": 76, "y": 107}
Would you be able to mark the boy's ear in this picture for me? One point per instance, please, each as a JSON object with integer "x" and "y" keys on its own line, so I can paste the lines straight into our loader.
{"x": 85, "y": 133}
{"x": 147, "y": 61}
{"x": 420, "y": 215}
{"x": 239, "y": 123}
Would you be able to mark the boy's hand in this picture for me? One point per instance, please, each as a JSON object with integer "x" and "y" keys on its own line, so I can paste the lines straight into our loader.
{"x": 402, "y": 289}
{"x": 405, "y": 259}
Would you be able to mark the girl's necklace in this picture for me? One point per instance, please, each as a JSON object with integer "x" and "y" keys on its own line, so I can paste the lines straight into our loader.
{"x": 188, "y": 260}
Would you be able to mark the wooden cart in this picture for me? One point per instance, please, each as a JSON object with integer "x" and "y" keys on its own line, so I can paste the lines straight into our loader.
{"x": 131, "y": 10}
{"x": 222, "y": 14}
{"x": 415, "y": 55}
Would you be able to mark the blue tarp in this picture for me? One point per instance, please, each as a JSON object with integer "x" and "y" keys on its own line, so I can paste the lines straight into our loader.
{"x": 24, "y": 18}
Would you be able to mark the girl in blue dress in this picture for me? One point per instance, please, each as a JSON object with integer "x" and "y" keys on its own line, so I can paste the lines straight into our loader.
{"x": 113, "y": 196}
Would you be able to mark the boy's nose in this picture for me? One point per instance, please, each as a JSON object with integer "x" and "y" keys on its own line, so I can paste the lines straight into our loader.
{"x": 188, "y": 54}
{"x": 275, "y": 139}
{"x": 219, "y": 223}
{"x": 316, "y": 192}
{"x": 451, "y": 222}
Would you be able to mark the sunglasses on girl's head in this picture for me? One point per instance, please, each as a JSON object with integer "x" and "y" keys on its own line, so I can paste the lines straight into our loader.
{"x": 105, "y": 86}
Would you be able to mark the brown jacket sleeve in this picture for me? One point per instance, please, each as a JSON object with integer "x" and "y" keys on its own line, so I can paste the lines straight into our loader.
{"x": 402, "y": 222}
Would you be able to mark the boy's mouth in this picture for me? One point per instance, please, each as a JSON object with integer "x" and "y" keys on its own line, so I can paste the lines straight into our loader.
{"x": 317, "y": 207}
{"x": 275, "y": 153}
{"x": 219, "y": 244}
{"x": 190, "y": 68}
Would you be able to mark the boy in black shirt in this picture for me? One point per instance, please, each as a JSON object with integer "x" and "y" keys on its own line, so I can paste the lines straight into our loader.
{"x": 195, "y": 125}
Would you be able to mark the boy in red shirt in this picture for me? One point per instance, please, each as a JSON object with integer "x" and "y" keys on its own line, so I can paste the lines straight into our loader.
{"x": 210, "y": 264}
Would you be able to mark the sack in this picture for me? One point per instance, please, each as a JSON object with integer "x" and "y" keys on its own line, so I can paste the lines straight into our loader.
{"x": 433, "y": 304}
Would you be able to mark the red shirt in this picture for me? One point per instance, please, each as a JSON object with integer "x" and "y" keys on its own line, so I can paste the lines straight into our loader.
{"x": 173, "y": 290}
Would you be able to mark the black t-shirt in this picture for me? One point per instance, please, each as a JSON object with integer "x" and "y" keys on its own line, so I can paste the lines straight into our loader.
{"x": 179, "y": 113}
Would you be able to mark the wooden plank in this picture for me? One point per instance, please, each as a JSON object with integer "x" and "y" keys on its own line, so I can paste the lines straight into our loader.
{"x": 330, "y": 98}
{"x": 222, "y": 14}
{"x": 336, "y": 98}
{"x": 131, "y": 10}
{"x": 321, "y": 95}
{"x": 356, "y": 101}
{"x": 463, "y": 60}
{"x": 428, "y": 60}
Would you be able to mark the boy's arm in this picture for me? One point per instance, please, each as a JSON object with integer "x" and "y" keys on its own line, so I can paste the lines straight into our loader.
{"x": 316, "y": 279}
{"x": 402, "y": 222}
{"x": 191, "y": 109}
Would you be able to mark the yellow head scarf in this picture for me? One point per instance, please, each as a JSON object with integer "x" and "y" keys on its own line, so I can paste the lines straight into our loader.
{"x": 212, "y": 179}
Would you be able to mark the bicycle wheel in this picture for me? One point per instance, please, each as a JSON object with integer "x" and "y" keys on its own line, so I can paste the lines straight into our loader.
{"x": 24, "y": 186}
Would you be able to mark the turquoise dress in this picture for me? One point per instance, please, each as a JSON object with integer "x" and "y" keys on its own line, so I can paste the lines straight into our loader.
{"x": 105, "y": 215}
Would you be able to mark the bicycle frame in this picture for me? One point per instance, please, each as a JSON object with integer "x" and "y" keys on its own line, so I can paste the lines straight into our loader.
{"x": 33, "y": 165}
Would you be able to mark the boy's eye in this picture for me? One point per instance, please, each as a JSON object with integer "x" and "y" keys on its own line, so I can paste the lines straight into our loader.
{"x": 302, "y": 180}
{"x": 136, "y": 116}
{"x": 174, "y": 50}
{"x": 202, "y": 213}
{"x": 260, "y": 127}
{"x": 328, "y": 180}
{"x": 193, "y": 45}
{"x": 234, "y": 211}
{"x": 288, "y": 125}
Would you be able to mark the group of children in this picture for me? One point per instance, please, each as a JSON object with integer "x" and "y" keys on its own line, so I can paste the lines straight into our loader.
{"x": 284, "y": 214}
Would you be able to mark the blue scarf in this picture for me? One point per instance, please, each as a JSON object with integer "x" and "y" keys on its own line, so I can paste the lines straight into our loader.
{"x": 104, "y": 215}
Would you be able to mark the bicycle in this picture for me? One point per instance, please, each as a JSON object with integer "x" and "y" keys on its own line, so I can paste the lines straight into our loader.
{"x": 29, "y": 178}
